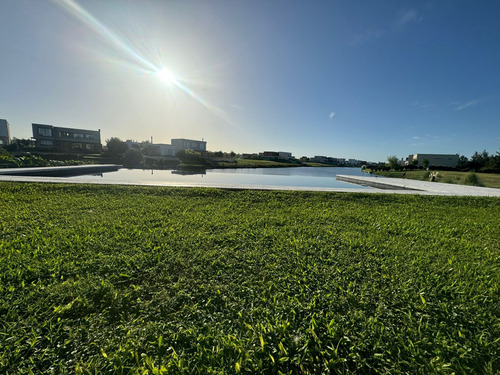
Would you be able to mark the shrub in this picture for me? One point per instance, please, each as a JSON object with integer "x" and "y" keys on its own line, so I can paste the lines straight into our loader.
{"x": 133, "y": 159}
{"x": 472, "y": 179}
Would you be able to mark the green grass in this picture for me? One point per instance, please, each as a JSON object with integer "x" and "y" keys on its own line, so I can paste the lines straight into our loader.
{"x": 110, "y": 279}
{"x": 462, "y": 178}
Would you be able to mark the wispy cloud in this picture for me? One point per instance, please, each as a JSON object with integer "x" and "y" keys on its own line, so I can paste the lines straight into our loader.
{"x": 459, "y": 106}
{"x": 332, "y": 115}
{"x": 403, "y": 18}
{"x": 366, "y": 37}
{"x": 423, "y": 106}
{"x": 408, "y": 16}
{"x": 415, "y": 138}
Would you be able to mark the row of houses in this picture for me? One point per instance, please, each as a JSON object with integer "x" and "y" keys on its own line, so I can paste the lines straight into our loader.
{"x": 170, "y": 150}
{"x": 70, "y": 140}
{"x": 338, "y": 161}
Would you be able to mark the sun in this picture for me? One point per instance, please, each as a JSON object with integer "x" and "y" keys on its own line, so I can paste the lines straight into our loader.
{"x": 166, "y": 76}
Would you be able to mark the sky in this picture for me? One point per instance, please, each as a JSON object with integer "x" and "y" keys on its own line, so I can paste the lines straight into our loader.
{"x": 349, "y": 79}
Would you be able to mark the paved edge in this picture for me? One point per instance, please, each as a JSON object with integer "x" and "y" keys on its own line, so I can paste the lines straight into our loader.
{"x": 62, "y": 170}
{"x": 419, "y": 187}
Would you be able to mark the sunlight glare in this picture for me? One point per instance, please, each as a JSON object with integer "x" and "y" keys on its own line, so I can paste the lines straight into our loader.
{"x": 167, "y": 77}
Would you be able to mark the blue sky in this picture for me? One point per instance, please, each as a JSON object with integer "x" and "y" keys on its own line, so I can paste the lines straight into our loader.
{"x": 353, "y": 79}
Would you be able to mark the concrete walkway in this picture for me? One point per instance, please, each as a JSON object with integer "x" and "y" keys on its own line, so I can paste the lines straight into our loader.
{"x": 67, "y": 170}
{"x": 405, "y": 186}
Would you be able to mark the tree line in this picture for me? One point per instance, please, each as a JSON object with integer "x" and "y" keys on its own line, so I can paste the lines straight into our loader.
{"x": 478, "y": 162}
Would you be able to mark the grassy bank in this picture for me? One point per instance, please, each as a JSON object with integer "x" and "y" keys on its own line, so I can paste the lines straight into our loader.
{"x": 118, "y": 279}
{"x": 254, "y": 163}
{"x": 462, "y": 178}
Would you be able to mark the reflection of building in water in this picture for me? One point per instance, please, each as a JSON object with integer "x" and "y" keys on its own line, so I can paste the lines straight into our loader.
{"x": 4, "y": 133}
{"x": 190, "y": 172}
{"x": 58, "y": 139}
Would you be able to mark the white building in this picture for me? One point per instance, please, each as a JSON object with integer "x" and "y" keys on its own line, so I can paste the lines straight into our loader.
{"x": 441, "y": 160}
{"x": 166, "y": 150}
{"x": 4, "y": 133}
{"x": 191, "y": 144}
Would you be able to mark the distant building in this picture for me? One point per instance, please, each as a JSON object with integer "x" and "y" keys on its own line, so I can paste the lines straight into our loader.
{"x": 441, "y": 160}
{"x": 328, "y": 160}
{"x": 166, "y": 150}
{"x": 58, "y": 139}
{"x": 4, "y": 133}
{"x": 354, "y": 162}
{"x": 250, "y": 156}
{"x": 276, "y": 155}
{"x": 184, "y": 144}
{"x": 163, "y": 149}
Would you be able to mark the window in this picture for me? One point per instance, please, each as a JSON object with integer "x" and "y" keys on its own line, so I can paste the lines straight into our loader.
{"x": 78, "y": 135}
{"x": 45, "y": 132}
{"x": 89, "y": 136}
{"x": 45, "y": 142}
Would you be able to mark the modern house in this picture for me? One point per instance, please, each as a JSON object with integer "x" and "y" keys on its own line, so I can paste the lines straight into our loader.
{"x": 184, "y": 144}
{"x": 163, "y": 149}
{"x": 170, "y": 150}
{"x": 328, "y": 160}
{"x": 58, "y": 139}
{"x": 442, "y": 160}
{"x": 4, "y": 133}
{"x": 276, "y": 155}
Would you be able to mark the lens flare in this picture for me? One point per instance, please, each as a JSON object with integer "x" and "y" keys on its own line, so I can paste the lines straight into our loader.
{"x": 142, "y": 63}
{"x": 167, "y": 77}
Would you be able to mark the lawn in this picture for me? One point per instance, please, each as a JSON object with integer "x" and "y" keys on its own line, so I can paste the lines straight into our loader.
{"x": 491, "y": 180}
{"x": 114, "y": 279}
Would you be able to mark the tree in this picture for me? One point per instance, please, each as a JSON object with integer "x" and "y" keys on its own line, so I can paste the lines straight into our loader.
{"x": 479, "y": 160}
{"x": 494, "y": 163}
{"x": 463, "y": 162}
{"x": 133, "y": 158}
{"x": 189, "y": 156}
{"x": 20, "y": 144}
{"x": 393, "y": 162}
{"x": 425, "y": 163}
{"x": 115, "y": 147}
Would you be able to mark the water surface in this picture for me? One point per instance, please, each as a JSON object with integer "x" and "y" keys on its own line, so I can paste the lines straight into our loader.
{"x": 304, "y": 177}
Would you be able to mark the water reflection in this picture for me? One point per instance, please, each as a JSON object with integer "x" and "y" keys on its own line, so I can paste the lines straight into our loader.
{"x": 247, "y": 177}
{"x": 190, "y": 172}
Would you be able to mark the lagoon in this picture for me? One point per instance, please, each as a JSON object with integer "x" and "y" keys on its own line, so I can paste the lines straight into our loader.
{"x": 300, "y": 177}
